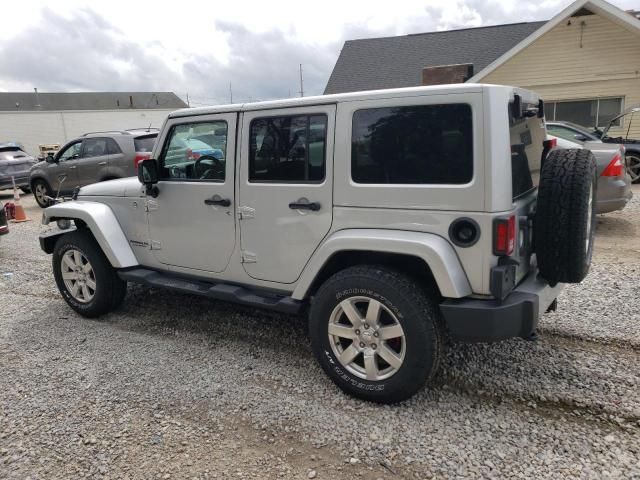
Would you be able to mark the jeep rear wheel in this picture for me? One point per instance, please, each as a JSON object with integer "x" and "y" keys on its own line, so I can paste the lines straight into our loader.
{"x": 84, "y": 276}
{"x": 375, "y": 333}
{"x": 564, "y": 225}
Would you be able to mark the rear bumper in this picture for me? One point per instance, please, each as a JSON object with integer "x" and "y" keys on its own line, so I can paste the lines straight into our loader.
{"x": 22, "y": 180}
{"x": 613, "y": 194}
{"x": 476, "y": 320}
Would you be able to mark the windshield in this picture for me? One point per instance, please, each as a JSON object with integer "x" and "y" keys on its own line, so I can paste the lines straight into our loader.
{"x": 11, "y": 153}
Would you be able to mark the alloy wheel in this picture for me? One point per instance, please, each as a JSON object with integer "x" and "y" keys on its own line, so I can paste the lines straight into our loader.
{"x": 367, "y": 338}
{"x": 78, "y": 276}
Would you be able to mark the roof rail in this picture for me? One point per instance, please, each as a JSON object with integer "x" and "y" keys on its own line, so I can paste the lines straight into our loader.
{"x": 105, "y": 131}
{"x": 144, "y": 129}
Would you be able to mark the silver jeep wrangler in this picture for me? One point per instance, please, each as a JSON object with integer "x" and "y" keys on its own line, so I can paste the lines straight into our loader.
{"x": 392, "y": 218}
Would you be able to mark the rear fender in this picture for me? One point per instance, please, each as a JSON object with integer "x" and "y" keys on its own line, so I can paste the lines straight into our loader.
{"x": 102, "y": 223}
{"x": 434, "y": 250}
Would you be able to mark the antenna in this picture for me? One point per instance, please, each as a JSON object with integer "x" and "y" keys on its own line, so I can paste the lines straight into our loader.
{"x": 188, "y": 104}
{"x": 301, "y": 83}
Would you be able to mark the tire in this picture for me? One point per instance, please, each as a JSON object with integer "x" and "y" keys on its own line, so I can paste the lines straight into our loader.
{"x": 401, "y": 302}
{"x": 564, "y": 224}
{"x": 25, "y": 189}
{"x": 633, "y": 165}
{"x": 40, "y": 188}
{"x": 105, "y": 290}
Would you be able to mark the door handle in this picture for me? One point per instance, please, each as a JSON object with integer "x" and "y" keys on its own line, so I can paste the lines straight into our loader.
{"x": 313, "y": 206}
{"x": 72, "y": 167}
{"x": 217, "y": 200}
{"x": 102, "y": 163}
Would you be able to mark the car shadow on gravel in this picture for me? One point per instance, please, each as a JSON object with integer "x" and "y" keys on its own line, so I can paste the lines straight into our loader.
{"x": 612, "y": 227}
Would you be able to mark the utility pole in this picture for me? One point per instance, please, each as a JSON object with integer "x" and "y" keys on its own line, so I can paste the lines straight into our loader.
{"x": 188, "y": 104}
{"x": 230, "y": 94}
{"x": 301, "y": 83}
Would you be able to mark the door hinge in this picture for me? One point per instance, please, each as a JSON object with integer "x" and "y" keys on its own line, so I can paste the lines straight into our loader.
{"x": 150, "y": 205}
{"x": 249, "y": 257}
{"x": 246, "y": 212}
{"x": 155, "y": 245}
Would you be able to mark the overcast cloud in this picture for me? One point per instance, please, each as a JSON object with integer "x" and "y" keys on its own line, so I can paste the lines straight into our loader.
{"x": 201, "y": 47}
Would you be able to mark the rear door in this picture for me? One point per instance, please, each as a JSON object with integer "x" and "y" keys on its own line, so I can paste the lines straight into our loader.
{"x": 94, "y": 160}
{"x": 285, "y": 189}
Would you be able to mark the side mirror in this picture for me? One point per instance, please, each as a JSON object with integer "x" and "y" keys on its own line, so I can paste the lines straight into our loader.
{"x": 580, "y": 137}
{"x": 50, "y": 158}
{"x": 148, "y": 176}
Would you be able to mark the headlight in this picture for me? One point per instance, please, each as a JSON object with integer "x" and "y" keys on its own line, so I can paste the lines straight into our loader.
{"x": 64, "y": 224}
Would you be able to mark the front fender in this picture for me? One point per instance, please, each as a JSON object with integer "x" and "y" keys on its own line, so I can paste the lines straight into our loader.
{"x": 103, "y": 224}
{"x": 433, "y": 249}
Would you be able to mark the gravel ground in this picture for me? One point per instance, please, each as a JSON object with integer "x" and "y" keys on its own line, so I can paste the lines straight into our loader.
{"x": 175, "y": 386}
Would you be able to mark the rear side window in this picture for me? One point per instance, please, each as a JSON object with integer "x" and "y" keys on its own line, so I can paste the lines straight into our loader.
{"x": 94, "y": 147}
{"x": 422, "y": 144}
{"x": 10, "y": 153}
{"x": 288, "y": 149}
{"x": 144, "y": 144}
{"x": 112, "y": 147}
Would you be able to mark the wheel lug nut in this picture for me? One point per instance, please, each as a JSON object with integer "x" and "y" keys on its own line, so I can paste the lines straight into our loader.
{"x": 361, "y": 344}
{"x": 376, "y": 334}
{"x": 366, "y": 326}
{"x": 357, "y": 332}
{"x": 374, "y": 346}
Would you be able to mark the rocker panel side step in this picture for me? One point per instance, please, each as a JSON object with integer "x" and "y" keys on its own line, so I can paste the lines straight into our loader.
{"x": 219, "y": 291}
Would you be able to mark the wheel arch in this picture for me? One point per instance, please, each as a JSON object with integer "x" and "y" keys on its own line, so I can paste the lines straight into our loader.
{"x": 101, "y": 222}
{"x": 426, "y": 256}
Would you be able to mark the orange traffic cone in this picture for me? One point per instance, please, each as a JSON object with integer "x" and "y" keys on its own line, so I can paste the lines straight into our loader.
{"x": 20, "y": 216}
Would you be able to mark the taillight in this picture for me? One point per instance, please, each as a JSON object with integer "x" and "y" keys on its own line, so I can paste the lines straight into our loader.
{"x": 504, "y": 236}
{"x": 550, "y": 143}
{"x": 140, "y": 156}
{"x": 615, "y": 167}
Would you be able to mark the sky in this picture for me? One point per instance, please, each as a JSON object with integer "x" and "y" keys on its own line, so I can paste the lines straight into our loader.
{"x": 211, "y": 50}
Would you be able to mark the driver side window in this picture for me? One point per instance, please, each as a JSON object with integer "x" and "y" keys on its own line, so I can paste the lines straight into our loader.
{"x": 71, "y": 152}
{"x": 195, "y": 152}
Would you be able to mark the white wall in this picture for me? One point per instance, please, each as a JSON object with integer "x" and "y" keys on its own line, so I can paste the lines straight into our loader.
{"x": 35, "y": 128}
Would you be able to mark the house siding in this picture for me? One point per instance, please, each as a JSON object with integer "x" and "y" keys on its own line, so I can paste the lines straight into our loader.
{"x": 594, "y": 59}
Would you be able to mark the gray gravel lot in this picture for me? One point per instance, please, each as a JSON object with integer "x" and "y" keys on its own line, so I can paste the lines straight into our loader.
{"x": 175, "y": 386}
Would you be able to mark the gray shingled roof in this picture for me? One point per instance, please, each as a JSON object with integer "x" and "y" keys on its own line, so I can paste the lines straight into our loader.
{"x": 28, "y": 101}
{"x": 392, "y": 62}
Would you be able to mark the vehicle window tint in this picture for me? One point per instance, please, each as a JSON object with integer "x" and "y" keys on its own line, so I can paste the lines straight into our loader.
{"x": 562, "y": 132}
{"x": 425, "y": 144}
{"x": 94, "y": 147}
{"x": 146, "y": 144}
{"x": 195, "y": 151}
{"x": 71, "y": 152}
{"x": 288, "y": 149}
{"x": 112, "y": 147}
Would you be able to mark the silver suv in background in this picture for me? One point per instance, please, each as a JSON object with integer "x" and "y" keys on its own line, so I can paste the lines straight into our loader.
{"x": 16, "y": 163}
{"x": 94, "y": 157}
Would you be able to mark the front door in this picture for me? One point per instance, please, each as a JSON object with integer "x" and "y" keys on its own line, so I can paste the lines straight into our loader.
{"x": 62, "y": 175}
{"x": 285, "y": 189}
{"x": 93, "y": 162}
{"x": 191, "y": 221}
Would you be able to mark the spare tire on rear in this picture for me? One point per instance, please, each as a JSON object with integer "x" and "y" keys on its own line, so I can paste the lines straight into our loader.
{"x": 564, "y": 224}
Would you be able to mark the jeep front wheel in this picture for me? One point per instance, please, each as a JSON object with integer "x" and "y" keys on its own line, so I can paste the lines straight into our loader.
{"x": 84, "y": 276}
{"x": 376, "y": 333}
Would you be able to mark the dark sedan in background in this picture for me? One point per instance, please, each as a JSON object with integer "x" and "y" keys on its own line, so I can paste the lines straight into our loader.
{"x": 16, "y": 163}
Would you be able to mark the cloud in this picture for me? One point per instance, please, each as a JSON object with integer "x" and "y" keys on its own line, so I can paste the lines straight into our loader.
{"x": 83, "y": 51}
